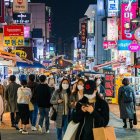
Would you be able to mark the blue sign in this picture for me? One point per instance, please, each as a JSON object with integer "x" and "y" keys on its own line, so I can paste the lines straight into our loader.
{"x": 123, "y": 45}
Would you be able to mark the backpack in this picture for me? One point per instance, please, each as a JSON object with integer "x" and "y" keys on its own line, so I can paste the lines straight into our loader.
{"x": 128, "y": 95}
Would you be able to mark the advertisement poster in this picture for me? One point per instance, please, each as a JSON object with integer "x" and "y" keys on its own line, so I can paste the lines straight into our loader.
{"x": 20, "y": 6}
{"x": 13, "y": 41}
{"x": 113, "y": 8}
{"x": 109, "y": 83}
{"x": 128, "y": 12}
{"x": 112, "y": 29}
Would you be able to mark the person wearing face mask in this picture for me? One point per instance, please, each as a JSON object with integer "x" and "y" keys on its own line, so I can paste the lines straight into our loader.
{"x": 78, "y": 93}
{"x": 100, "y": 88}
{"x": 91, "y": 112}
{"x": 60, "y": 101}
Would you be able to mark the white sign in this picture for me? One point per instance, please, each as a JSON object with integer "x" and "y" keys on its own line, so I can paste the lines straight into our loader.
{"x": 112, "y": 29}
{"x": 90, "y": 49}
{"x": 113, "y": 8}
{"x": 90, "y": 27}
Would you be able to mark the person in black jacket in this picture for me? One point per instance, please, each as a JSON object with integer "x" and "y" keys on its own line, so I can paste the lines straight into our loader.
{"x": 91, "y": 112}
{"x": 33, "y": 113}
{"x": 43, "y": 95}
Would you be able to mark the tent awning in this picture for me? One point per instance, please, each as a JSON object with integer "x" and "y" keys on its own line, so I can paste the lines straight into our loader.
{"x": 33, "y": 65}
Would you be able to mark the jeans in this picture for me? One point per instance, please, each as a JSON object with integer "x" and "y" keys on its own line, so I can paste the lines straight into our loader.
{"x": 14, "y": 118}
{"x": 44, "y": 113}
{"x": 61, "y": 131}
{"x": 34, "y": 115}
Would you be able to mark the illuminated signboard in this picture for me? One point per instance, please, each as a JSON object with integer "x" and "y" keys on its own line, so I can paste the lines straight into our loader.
{"x": 13, "y": 41}
{"x": 128, "y": 12}
{"x": 113, "y": 8}
{"x": 112, "y": 29}
{"x": 110, "y": 83}
{"x": 20, "y": 6}
{"x": 22, "y": 18}
{"x": 123, "y": 44}
{"x": 83, "y": 33}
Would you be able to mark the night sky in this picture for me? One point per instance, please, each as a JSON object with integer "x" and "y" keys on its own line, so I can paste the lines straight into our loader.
{"x": 66, "y": 14}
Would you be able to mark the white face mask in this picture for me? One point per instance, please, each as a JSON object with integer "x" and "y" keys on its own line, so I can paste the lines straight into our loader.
{"x": 80, "y": 87}
{"x": 98, "y": 82}
{"x": 90, "y": 96}
{"x": 51, "y": 76}
{"x": 65, "y": 86}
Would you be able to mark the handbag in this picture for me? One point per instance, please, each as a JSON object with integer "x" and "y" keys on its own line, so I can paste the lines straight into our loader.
{"x": 71, "y": 131}
{"x": 53, "y": 114}
{"x": 31, "y": 106}
{"x": 104, "y": 133}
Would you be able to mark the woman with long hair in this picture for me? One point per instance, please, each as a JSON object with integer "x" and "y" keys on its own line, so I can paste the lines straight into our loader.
{"x": 60, "y": 100}
{"x": 126, "y": 100}
{"x": 78, "y": 93}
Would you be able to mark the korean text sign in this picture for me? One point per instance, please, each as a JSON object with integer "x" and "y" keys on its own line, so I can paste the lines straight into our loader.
{"x": 13, "y": 41}
{"x": 13, "y": 30}
{"x": 109, "y": 83}
{"x": 128, "y": 12}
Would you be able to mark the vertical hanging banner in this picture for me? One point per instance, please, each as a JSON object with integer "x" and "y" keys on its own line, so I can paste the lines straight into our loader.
{"x": 20, "y": 6}
{"x": 1, "y": 11}
{"x": 112, "y": 29}
{"x": 109, "y": 83}
{"x": 128, "y": 12}
{"x": 83, "y": 34}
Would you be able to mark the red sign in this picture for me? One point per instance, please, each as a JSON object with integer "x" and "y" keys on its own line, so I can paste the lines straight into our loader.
{"x": 109, "y": 83}
{"x": 13, "y": 30}
{"x": 19, "y": 1}
{"x": 1, "y": 11}
{"x": 128, "y": 12}
{"x": 109, "y": 44}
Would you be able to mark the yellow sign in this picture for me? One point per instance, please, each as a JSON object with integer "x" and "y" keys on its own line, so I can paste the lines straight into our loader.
{"x": 16, "y": 41}
{"x": 20, "y": 6}
{"x": 20, "y": 53}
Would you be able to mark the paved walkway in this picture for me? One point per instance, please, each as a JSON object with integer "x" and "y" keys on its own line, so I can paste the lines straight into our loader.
{"x": 122, "y": 134}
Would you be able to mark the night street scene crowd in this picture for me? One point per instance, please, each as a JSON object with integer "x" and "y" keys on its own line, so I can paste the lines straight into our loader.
{"x": 75, "y": 103}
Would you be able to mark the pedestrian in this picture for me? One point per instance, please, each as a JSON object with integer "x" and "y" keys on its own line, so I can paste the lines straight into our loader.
{"x": 2, "y": 102}
{"x": 43, "y": 95}
{"x": 51, "y": 83}
{"x": 23, "y": 98}
{"x": 33, "y": 113}
{"x": 91, "y": 112}
{"x": 60, "y": 100}
{"x": 11, "y": 97}
{"x": 100, "y": 88}
{"x": 78, "y": 93}
{"x": 126, "y": 100}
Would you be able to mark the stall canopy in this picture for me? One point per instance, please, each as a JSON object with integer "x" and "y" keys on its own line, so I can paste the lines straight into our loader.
{"x": 33, "y": 65}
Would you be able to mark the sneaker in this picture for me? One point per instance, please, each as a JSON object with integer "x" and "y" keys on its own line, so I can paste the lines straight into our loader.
{"x": 24, "y": 132}
{"x": 40, "y": 129}
{"x": 48, "y": 131}
{"x": 20, "y": 130}
{"x": 33, "y": 128}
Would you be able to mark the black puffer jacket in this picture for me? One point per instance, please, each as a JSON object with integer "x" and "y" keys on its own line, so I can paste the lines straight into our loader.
{"x": 99, "y": 118}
